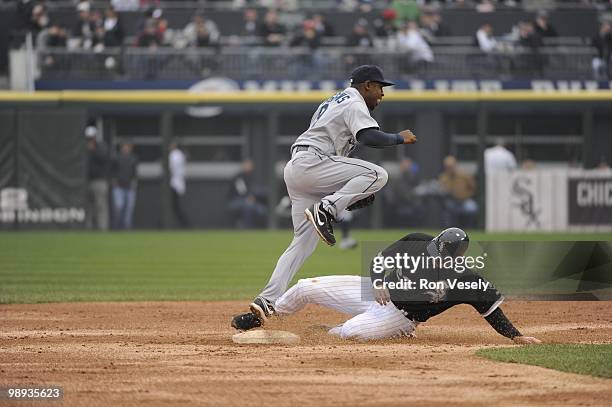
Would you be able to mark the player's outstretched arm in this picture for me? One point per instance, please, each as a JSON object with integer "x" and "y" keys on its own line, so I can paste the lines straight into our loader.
{"x": 373, "y": 137}
{"x": 498, "y": 320}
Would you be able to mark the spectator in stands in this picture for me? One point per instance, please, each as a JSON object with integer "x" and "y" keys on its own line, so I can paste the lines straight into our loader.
{"x": 149, "y": 37}
{"x": 432, "y": 27}
{"x": 385, "y": 26}
{"x": 410, "y": 40}
{"x": 400, "y": 193}
{"x": 154, "y": 20}
{"x": 113, "y": 30}
{"x": 39, "y": 19}
{"x": 57, "y": 36}
{"x": 459, "y": 187}
{"x": 530, "y": 61}
{"x": 602, "y": 41}
{"x": 322, "y": 27}
{"x": 543, "y": 27}
{"x": 84, "y": 29}
{"x": 307, "y": 36}
{"x": 271, "y": 31}
{"x": 201, "y": 32}
{"x": 527, "y": 36}
{"x": 407, "y": 10}
{"x": 147, "y": 64}
{"x": 97, "y": 43}
{"x": 484, "y": 38}
{"x": 360, "y": 37}
{"x": 307, "y": 64}
{"x": 177, "y": 164}
{"x": 245, "y": 200}
{"x": 499, "y": 158}
{"x": 98, "y": 165}
{"x": 250, "y": 27}
{"x": 125, "y": 181}
{"x": 162, "y": 27}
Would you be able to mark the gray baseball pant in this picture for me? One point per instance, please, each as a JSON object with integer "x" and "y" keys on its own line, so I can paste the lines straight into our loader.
{"x": 311, "y": 177}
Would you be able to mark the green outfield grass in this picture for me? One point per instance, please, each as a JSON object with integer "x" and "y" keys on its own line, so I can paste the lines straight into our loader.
{"x": 199, "y": 265}
{"x": 594, "y": 360}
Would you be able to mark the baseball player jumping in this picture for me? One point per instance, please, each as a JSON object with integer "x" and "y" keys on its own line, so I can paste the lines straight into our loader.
{"x": 322, "y": 181}
{"x": 381, "y": 313}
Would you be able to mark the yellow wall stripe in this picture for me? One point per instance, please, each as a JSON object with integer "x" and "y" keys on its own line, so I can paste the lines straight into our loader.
{"x": 247, "y": 97}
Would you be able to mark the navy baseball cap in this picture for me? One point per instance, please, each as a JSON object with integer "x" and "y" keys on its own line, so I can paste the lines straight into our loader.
{"x": 371, "y": 73}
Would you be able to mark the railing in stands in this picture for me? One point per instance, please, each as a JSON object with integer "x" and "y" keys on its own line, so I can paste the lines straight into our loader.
{"x": 242, "y": 63}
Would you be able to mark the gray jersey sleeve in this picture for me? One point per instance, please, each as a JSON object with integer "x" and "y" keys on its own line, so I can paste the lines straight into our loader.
{"x": 357, "y": 117}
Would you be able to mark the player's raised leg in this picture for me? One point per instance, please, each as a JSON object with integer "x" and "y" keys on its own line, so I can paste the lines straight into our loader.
{"x": 342, "y": 181}
{"x": 357, "y": 179}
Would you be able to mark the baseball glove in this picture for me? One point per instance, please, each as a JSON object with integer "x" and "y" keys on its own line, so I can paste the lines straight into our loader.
{"x": 362, "y": 203}
{"x": 244, "y": 322}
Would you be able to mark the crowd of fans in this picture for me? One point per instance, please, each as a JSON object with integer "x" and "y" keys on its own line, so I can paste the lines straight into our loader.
{"x": 408, "y": 27}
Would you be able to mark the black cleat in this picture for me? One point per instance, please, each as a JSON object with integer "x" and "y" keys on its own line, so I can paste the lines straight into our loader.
{"x": 244, "y": 322}
{"x": 362, "y": 203}
{"x": 262, "y": 308}
{"x": 322, "y": 221}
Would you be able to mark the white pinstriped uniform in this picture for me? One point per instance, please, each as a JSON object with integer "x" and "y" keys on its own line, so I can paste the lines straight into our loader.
{"x": 351, "y": 295}
{"x": 325, "y": 173}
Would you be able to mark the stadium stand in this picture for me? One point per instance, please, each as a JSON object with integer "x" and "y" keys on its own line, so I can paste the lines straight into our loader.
{"x": 74, "y": 42}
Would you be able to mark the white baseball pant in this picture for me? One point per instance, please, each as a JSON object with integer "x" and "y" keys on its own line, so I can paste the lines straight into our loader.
{"x": 351, "y": 295}
{"x": 311, "y": 177}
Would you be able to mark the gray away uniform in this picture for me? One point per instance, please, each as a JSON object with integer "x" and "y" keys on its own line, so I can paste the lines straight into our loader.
{"x": 324, "y": 173}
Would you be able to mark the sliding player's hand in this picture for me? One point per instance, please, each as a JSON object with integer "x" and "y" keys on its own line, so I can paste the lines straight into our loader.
{"x": 525, "y": 340}
{"x": 382, "y": 295}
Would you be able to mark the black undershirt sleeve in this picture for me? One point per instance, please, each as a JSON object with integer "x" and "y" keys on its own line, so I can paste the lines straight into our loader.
{"x": 373, "y": 137}
{"x": 498, "y": 320}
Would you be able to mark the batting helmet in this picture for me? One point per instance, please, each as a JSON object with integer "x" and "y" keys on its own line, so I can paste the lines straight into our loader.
{"x": 451, "y": 242}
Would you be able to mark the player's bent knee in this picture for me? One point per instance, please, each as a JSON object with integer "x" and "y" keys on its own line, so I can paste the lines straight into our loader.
{"x": 381, "y": 178}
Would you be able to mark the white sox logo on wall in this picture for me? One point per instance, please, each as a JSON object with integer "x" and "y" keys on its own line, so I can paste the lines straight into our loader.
{"x": 521, "y": 188}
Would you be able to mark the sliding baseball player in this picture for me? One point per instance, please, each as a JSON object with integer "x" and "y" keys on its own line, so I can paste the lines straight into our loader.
{"x": 378, "y": 312}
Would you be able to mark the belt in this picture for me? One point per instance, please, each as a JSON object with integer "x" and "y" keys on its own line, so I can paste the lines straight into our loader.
{"x": 297, "y": 149}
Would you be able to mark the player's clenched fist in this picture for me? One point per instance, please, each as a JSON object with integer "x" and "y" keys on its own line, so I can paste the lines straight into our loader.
{"x": 409, "y": 138}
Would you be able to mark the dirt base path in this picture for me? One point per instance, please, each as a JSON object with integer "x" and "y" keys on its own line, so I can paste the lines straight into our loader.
{"x": 180, "y": 353}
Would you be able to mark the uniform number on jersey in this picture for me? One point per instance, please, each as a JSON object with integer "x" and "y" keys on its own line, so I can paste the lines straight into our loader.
{"x": 338, "y": 98}
{"x": 322, "y": 110}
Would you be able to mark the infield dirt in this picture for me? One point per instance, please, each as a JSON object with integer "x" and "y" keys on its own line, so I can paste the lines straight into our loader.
{"x": 181, "y": 353}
